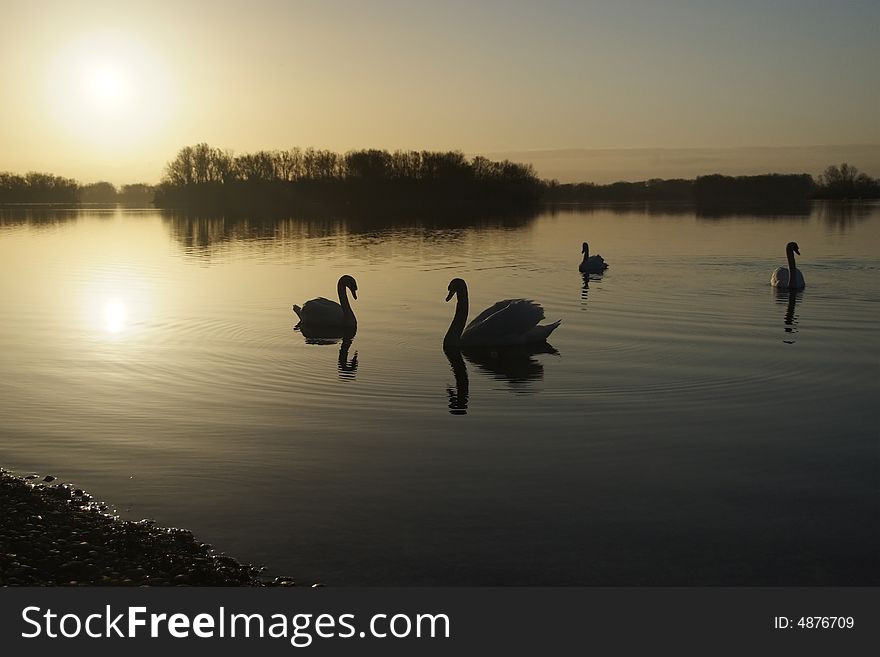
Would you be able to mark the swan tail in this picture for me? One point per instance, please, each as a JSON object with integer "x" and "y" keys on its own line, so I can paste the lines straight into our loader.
{"x": 542, "y": 332}
{"x": 297, "y": 310}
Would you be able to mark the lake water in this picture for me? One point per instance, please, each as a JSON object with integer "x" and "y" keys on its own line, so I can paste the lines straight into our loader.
{"x": 689, "y": 426}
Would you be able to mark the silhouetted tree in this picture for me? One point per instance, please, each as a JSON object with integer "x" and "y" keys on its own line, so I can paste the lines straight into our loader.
{"x": 259, "y": 166}
{"x": 368, "y": 165}
{"x": 179, "y": 171}
{"x": 35, "y": 187}
{"x": 99, "y": 192}
{"x": 846, "y": 181}
{"x": 136, "y": 193}
{"x": 284, "y": 179}
{"x": 769, "y": 188}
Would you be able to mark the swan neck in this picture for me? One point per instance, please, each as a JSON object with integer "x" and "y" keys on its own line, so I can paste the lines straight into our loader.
{"x": 347, "y": 312}
{"x": 792, "y": 281}
{"x": 453, "y": 335}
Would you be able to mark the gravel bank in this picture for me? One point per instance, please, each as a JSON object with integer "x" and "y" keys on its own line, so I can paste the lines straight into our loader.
{"x": 53, "y": 534}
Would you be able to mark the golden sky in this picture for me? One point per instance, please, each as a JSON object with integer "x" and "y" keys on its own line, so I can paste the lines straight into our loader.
{"x": 109, "y": 90}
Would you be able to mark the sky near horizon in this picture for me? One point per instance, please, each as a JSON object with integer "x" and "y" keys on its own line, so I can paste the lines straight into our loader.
{"x": 100, "y": 90}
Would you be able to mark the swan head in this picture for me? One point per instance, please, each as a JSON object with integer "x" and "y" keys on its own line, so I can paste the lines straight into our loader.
{"x": 585, "y": 248}
{"x": 349, "y": 282}
{"x": 792, "y": 246}
{"x": 456, "y": 286}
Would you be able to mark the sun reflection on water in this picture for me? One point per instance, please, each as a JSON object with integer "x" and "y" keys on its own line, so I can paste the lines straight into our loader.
{"x": 115, "y": 314}
{"x": 116, "y": 311}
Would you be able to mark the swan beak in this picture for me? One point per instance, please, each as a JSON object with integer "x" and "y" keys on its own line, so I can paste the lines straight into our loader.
{"x": 449, "y": 296}
{"x": 354, "y": 293}
{"x": 797, "y": 250}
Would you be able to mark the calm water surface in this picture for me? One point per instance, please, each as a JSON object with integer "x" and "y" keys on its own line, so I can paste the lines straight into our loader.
{"x": 689, "y": 426}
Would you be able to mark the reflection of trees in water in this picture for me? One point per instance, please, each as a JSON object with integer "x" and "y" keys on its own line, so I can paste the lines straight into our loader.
{"x": 842, "y": 214}
{"x": 839, "y": 214}
{"x": 53, "y": 216}
{"x": 202, "y": 233}
{"x": 792, "y": 211}
{"x": 515, "y": 365}
{"x": 652, "y": 208}
{"x": 40, "y": 217}
{"x": 789, "y": 210}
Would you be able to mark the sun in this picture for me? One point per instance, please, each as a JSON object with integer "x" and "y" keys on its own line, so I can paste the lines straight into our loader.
{"x": 109, "y": 89}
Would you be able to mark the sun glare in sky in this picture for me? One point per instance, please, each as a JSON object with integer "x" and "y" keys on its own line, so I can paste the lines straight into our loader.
{"x": 107, "y": 88}
{"x": 110, "y": 90}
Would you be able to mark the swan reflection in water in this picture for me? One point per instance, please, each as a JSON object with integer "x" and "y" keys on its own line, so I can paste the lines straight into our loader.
{"x": 514, "y": 364}
{"x": 595, "y": 277}
{"x": 347, "y": 367}
{"x": 790, "y": 319}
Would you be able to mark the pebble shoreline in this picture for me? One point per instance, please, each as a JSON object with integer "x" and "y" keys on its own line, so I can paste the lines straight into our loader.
{"x": 54, "y": 534}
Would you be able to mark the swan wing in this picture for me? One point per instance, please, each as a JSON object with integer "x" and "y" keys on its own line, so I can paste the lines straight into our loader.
{"x": 503, "y": 320}
{"x": 321, "y": 311}
{"x": 779, "y": 278}
{"x": 594, "y": 264}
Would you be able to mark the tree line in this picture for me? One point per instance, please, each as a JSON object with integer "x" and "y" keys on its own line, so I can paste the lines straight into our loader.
{"x": 836, "y": 182}
{"x": 846, "y": 181}
{"x": 35, "y": 187}
{"x": 206, "y": 177}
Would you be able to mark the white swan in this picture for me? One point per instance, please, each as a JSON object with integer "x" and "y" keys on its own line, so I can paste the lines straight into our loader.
{"x": 782, "y": 277}
{"x": 591, "y": 264}
{"x": 325, "y": 313}
{"x": 512, "y": 321}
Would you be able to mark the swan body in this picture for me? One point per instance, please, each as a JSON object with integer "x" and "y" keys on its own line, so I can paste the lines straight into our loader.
{"x": 594, "y": 264}
{"x": 782, "y": 278}
{"x": 507, "y": 322}
{"x": 322, "y": 312}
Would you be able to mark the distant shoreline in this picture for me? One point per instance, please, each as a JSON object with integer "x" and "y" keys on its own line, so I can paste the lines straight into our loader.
{"x": 607, "y": 165}
{"x": 684, "y": 205}
{"x": 208, "y": 180}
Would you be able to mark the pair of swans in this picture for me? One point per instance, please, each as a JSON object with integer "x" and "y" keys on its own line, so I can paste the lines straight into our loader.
{"x": 508, "y": 322}
{"x": 790, "y": 278}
